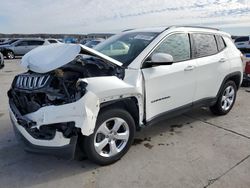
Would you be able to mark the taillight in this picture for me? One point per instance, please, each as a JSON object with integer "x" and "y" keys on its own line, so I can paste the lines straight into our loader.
{"x": 247, "y": 68}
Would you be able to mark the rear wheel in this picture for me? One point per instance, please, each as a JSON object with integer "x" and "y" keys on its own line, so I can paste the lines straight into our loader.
{"x": 226, "y": 99}
{"x": 113, "y": 135}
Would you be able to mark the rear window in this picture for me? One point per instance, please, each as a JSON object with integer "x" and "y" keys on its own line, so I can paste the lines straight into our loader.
{"x": 220, "y": 43}
{"x": 242, "y": 39}
{"x": 204, "y": 45}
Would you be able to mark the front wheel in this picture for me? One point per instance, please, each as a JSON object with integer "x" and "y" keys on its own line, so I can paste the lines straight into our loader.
{"x": 226, "y": 99}
{"x": 10, "y": 55}
{"x": 113, "y": 135}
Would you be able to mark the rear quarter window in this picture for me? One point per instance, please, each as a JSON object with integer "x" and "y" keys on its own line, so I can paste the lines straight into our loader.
{"x": 204, "y": 45}
{"x": 220, "y": 43}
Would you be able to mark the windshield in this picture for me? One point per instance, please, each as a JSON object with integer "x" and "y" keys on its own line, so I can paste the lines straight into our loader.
{"x": 126, "y": 47}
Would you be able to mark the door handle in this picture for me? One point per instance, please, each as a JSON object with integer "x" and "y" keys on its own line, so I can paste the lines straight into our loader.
{"x": 222, "y": 60}
{"x": 189, "y": 68}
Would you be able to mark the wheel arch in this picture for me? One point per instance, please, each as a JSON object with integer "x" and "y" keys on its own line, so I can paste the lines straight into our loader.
{"x": 235, "y": 76}
{"x": 130, "y": 104}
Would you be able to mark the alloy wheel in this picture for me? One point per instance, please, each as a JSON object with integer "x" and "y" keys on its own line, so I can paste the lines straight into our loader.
{"x": 10, "y": 55}
{"x": 228, "y": 98}
{"x": 111, "y": 137}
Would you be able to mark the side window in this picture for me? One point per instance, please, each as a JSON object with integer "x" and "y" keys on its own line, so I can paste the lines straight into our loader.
{"x": 204, "y": 45}
{"x": 220, "y": 42}
{"x": 22, "y": 43}
{"x": 35, "y": 42}
{"x": 177, "y": 45}
{"x": 52, "y": 41}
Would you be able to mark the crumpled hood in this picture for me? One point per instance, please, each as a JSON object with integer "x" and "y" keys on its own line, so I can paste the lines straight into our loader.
{"x": 47, "y": 58}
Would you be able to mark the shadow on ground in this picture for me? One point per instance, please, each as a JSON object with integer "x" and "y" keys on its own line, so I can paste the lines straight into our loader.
{"x": 19, "y": 168}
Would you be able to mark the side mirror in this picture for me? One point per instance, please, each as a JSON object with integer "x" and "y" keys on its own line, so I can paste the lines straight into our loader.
{"x": 160, "y": 59}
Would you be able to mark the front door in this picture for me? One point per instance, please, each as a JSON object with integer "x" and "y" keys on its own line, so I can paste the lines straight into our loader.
{"x": 169, "y": 87}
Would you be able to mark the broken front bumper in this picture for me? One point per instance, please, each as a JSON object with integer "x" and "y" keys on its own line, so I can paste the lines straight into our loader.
{"x": 82, "y": 113}
{"x": 59, "y": 145}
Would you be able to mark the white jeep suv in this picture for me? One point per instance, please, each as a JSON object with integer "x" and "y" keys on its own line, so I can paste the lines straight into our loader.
{"x": 75, "y": 97}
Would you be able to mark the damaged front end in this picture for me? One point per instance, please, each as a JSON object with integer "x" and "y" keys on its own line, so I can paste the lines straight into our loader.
{"x": 50, "y": 108}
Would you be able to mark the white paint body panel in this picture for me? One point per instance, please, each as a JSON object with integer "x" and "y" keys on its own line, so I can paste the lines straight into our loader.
{"x": 209, "y": 74}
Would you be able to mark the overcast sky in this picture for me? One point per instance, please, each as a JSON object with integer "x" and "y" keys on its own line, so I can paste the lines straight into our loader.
{"x": 86, "y": 16}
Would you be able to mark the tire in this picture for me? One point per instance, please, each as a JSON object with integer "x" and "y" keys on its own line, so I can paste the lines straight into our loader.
{"x": 10, "y": 55}
{"x": 226, "y": 99}
{"x": 106, "y": 136}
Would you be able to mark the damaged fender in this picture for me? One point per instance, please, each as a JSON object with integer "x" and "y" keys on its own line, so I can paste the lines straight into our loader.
{"x": 109, "y": 89}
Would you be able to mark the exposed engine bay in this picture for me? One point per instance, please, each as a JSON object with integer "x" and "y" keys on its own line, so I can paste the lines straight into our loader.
{"x": 31, "y": 91}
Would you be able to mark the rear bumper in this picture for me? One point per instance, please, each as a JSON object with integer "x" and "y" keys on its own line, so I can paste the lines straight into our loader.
{"x": 58, "y": 146}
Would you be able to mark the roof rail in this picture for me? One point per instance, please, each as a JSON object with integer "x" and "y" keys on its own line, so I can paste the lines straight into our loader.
{"x": 127, "y": 30}
{"x": 201, "y": 27}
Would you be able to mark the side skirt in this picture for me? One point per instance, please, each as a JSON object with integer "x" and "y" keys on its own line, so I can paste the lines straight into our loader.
{"x": 180, "y": 110}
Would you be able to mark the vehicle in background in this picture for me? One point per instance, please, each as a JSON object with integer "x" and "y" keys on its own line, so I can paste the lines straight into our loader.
{"x": 84, "y": 41}
{"x": 60, "y": 40}
{"x": 243, "y": 44}
{"x": 70, "y": 40}
{"x": 9, "y": 41}
{"x": 20, "y": 47}
{"x": 1, "y": 61}
{"x": 246, "y": 74}
{"x": 52, "y": 41}
{"x": 93, "y": 43}
{"x": 116, "y": 49}
{"x": 2, "y": 40}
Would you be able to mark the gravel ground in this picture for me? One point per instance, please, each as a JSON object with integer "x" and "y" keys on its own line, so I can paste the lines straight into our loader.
{"x": 196, "y": 149}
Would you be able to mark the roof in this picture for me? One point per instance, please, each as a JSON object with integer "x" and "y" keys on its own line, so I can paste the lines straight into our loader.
{"x": 147, "y": 29}
{"x": 39, "y": 39}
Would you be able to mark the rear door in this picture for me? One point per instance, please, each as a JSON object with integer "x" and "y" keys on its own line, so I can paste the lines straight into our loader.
{"x": 212, "y": 64}
{"x": 168, "y": 87}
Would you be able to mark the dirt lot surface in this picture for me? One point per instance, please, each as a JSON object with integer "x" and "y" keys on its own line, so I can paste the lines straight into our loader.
{"x": 196, "y": 149}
